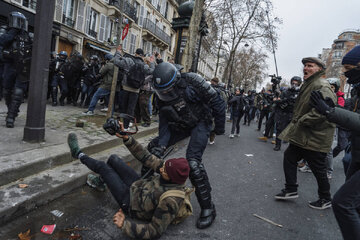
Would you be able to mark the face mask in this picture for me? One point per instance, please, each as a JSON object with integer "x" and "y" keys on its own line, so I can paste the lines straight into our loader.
{"x": 353, "y": 76}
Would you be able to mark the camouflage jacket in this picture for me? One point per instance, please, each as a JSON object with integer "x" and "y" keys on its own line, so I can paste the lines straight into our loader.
{"x": 145, "y": 195}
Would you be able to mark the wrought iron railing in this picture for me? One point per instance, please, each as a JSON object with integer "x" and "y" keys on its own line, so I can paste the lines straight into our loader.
{"x": 92, "y": 33}
{"x": 68, "y": 21}
{"x": 151, "y": 26}
{"x": 128, "y": 8}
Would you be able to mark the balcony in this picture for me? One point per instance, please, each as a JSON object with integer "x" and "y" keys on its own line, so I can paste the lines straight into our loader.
{"x": 155, "y": 30}
{"x": 68, "y": 21}
{"x": 92, "y": 33}
{"x": 129, "y": 10}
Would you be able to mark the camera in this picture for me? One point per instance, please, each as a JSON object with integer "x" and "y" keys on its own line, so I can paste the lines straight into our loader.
{"x": 275, "y": 80}
{"x": 112, "y": 125}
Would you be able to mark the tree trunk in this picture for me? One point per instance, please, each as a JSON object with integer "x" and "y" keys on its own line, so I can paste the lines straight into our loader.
{"x": 193, "y": 33}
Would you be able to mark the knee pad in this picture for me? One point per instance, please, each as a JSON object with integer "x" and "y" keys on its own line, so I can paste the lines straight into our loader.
{"x": 196, "y": 169}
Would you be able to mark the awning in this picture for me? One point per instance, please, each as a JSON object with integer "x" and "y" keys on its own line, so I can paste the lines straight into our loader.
{"x": 98, "y": 48}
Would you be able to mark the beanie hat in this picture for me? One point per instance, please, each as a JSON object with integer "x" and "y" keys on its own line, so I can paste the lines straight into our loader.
{"x": 315, "y": 60}
{"x": 352, "y": 57}
{"x": 177, "y": 170}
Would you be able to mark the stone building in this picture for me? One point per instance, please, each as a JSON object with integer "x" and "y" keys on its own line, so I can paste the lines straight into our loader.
{"x": 346, "y": 41}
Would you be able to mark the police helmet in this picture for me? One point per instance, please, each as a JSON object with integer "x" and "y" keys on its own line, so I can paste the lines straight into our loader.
{"x": 335, "y": 82}
{"x": 63, "y": 55}
{"x": 165, "y": 77}
{"x": 296, "y": 78}
{"x": 18, "y": 20}
{"x": 108, "y": 56}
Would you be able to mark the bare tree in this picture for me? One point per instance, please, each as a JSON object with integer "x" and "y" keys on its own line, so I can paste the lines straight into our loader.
{"x": 244, "y": 20}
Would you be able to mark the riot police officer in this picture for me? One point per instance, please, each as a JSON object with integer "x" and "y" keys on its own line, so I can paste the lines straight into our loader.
{"x": 284, "y": 108}
{"x": 58, "y": 79}
{"x": 187, "y": 105}
{"x": 15, "y": 52}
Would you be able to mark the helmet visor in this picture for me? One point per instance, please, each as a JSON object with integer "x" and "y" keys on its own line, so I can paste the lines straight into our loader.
{"x": 167, "y": 94}
{"x": 20, "y": 23}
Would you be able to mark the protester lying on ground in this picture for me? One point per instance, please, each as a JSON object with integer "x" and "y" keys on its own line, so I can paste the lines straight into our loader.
{"x": 138, "y": 197}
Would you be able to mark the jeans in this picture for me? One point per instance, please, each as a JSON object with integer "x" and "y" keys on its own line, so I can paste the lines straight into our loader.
{"x": 317, "y": 164}
{"x": 129, "y": 100}
{"x": 117, "y": 175}
{"x": 346, "y": 207}
{"x": 236, "y": 124}
{"x": 101, "y": 92}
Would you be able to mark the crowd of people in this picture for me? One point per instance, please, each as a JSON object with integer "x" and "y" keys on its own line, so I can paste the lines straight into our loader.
{"x": 305, "y": 115}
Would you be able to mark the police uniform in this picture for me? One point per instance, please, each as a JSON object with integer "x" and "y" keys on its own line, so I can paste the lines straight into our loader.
{"x": 187, "y": 106}
{"x": 15, "y": 48}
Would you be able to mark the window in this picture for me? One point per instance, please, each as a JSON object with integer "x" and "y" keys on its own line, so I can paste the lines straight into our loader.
{"x": 93, "y": 22}
{"x": 337, "y": 54}
{"x": 166, "y": 9}
{"x": 29, "y": 4}
{"x": 125, "y": 42}
{"x": 132, "y": 44}
{"x": 68, "y": 12}
{"x": 339, "y": 45}
{"x": 141, "y": 16}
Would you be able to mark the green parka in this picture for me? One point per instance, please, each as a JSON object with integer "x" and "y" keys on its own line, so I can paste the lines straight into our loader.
{"x": 309, "y": 129}
{"x": 107, "y": 72}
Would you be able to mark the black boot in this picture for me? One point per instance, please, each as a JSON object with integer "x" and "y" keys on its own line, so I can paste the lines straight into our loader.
{"x": 13, "y": 110}
{"x": 277, "y": 144}
{"x": 200, "y": 181}
{"x": 54, "y": 92}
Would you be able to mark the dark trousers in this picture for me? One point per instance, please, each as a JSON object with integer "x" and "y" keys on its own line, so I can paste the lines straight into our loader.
{"x": 282, "y": 119}
{"x": 117, "y": 175}
{"x": 263, "y": 113}
{"x": 269, "y": 127}
{"x": 236, "y": 123}
{"x": 129, "y": 100}
{"x": 342, "y": 141}
{"x": 346, "y": 207}
{"x": 317, "y": 164}
{"x": 144, "y": 98}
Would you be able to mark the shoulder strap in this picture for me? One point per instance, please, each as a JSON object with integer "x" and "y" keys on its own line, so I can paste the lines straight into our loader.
{"x": 172, "y": 193}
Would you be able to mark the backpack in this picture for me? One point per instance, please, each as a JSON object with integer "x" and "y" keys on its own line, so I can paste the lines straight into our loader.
{"x": 136, "y": 75}
{"x": 185, "y": 209}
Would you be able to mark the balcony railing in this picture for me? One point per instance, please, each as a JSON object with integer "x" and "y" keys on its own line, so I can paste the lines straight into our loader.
{"x": 151, "y": 26}
{"x": 68, "y": 21}
{"x": 128, "y": 8}
{"x": 92, "y": 33}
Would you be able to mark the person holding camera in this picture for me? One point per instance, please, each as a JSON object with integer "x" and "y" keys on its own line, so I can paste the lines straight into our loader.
{"x": 138, "y": 197}
{"x": 310, "y": 136}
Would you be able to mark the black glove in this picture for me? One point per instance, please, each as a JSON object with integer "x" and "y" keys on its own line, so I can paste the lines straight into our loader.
{"x": 158, "y": 151}
{"x": 323, "y": 106}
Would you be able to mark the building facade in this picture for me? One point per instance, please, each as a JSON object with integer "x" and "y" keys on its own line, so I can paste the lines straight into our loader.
{"x": 346, "y": 41}
{"x": 93, "y": 26}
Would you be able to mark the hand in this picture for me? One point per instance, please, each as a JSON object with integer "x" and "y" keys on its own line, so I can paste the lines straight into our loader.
{"x": 321, "y": 105}
{"x": 119, "y": 219}
{"x": 125, "y": 137}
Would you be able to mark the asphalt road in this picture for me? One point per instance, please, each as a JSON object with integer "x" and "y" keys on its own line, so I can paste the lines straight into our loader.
{"x": 243, "y": 185}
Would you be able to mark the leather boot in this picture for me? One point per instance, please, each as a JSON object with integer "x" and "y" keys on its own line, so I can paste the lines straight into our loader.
{"x": 54, "y": 92}
{"x": 277, "y": 144}
{"x": 13, "y": 110}
{"x": 207, "y": 217}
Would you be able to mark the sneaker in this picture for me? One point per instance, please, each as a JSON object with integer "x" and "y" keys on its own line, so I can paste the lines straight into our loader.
{"x": 305, "y": 169}
{"x": 263, "y": 139}
{"x": 237, "y": 135}
{"x": 73, "y": 145}
{"x": 95, "y": 182}
{"x": 329, "y": 175}
{"x": 320, "y": 204}
{"x": 88, "y": 113}
{"x": 211, "y": 142}
{"x": 301, "y": 164}
{"x": 104, "y": 109}
{"x": 130, "y": 125}
{"x": 273, "y": 142}
{"x": 286, "y": 194}
{"x": 231, "y": 136}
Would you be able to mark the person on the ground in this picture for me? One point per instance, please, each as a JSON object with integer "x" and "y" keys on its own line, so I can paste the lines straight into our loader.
{"x": 139, "y": 197}
{"x": 346, "y": 201}
{"x": 135, "y": 72}
{"x": 187, "y": 105}
{"x": 238, "y": 105}
{"x": 106, "y": 74}
{"x": 15, "y": 53}
{"x": 309, "y": 135}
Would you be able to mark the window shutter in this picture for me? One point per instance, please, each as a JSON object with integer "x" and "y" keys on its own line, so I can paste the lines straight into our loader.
{"x": 141, "y": 18}
{"x": 87, "y": 21}
{"x": 102, "y": 27}
{"x": 80, "y": 16}
{"x": 107, "y": 29}
{"x": 17, "y": 1}
{"x": 58, "y": 10}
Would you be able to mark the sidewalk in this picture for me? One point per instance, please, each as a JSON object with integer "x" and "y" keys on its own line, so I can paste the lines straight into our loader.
{"x": 47, "y": 167}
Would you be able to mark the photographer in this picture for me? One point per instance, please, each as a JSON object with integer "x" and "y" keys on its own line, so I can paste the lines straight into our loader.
{"x": 264, "y": 105}
{"x": 138, "y": 197}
